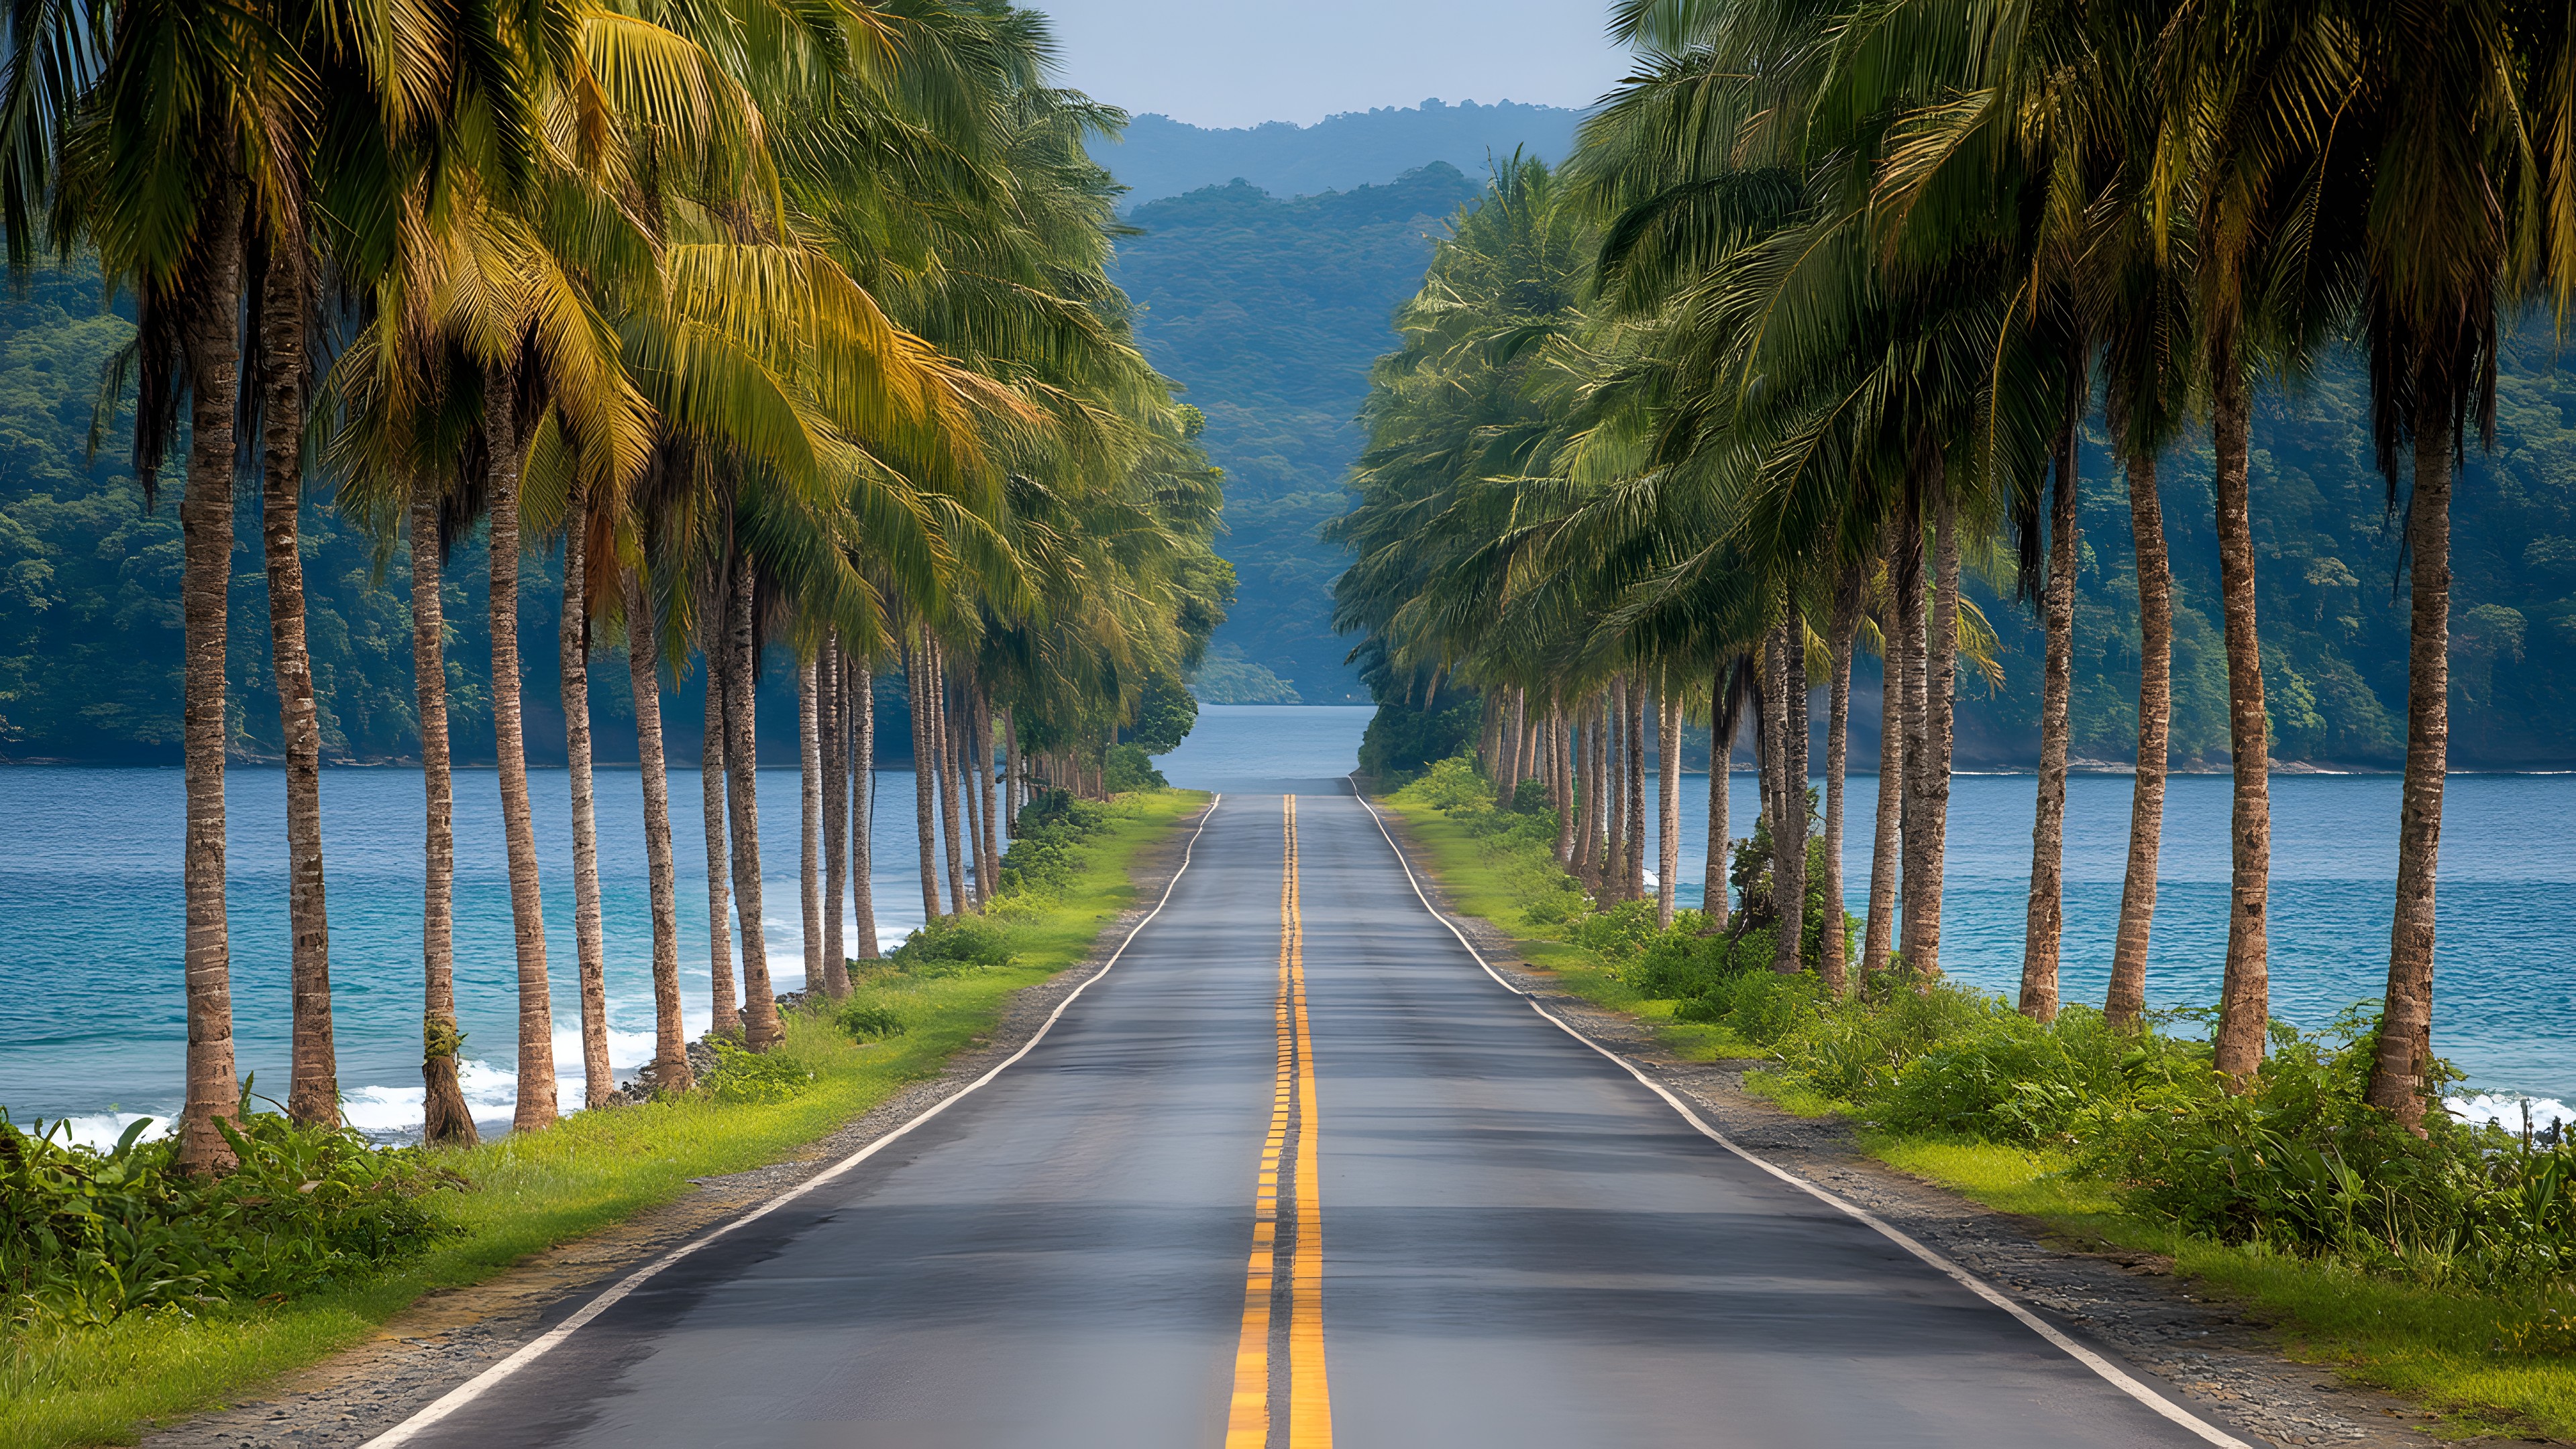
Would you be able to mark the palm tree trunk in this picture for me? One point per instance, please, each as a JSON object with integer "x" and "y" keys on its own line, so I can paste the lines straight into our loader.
{"x": 644, "y": 672}
{"x": 599, "y": 1081}
{"x": 1878, "y": 936}
{"x": 536, "y": 1109}
{"x": 313, "y": 1088}
{"x": 946, "y": 753}
{"x": 1614, "y": 865}
{"x": 1668, "y": 792}
{"x": 925, "y": 771}
{"x": 861, "y": 705}
{"x": 1914, "y": 732}
{"x": 1789, "y": 823}
{"x": 971, "y": 791}
{"x": 213, "y": 359}
{"x": 1561, "y": 777}
{"x": 445, "y": 1119}
{"x": 809, "y": 820}
{"x": 1507, "y": 780}
{"x": 1588, "y": 792}
{"x": 1632, "y": 856}
{"x": 2128, "y": 993}
{"x": 2400, "y": 1071}
{"x": 2245, "y": 992}
{"x": 1011, "y": 793}
{"x": 982, "y": 785}
{"x": 1721, "y": 775}
{"x": 1940, "y": 696}
{"x": 831, "y": 711}
{"x": 1833, "y": 947}
{"x": 2045, "y": 921}
{"x": 761, "y": 1028}
{"x": 711, "y": 782}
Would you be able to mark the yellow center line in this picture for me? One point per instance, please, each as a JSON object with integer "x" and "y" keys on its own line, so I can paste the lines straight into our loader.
{"x": 1309, "y": 1416}
{"x": 1310, "y": 1398}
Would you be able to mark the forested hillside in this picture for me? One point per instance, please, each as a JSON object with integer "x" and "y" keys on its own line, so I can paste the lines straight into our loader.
{"x": 1159, "y": 157}
{"x": 90, "y": 639}
{"x": 2327, "y": 567}
{"x": 1269, "y": 312}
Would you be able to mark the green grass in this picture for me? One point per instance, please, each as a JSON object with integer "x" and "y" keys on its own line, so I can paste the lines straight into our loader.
{"x": 96, "y": 1385}
{"x": 2438, "y": 1347}
{"x": 1495, "y": 875}
{"x": 2433, "y": 1346}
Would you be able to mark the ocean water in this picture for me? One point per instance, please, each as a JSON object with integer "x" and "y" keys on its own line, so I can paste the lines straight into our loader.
{"x": 92, "y": 1025}
{"x": 2505, "y": 955}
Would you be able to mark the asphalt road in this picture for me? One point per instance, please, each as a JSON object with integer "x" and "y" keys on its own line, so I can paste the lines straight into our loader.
{"x": 1519, "y": 1244}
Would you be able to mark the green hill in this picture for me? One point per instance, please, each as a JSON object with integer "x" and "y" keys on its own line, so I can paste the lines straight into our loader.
{"x": 1269, "y": 313}
{"x": 1159, "y": 157}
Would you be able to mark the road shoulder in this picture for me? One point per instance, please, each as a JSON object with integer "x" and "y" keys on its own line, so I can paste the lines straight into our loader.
{"x": 448, "y": 1336}
{"x": 2207, "y": 1354}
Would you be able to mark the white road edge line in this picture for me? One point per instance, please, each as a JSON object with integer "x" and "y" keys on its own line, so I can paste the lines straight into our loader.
{"x": 536, "y": 1348}
{"x": 2112, "y": 1373}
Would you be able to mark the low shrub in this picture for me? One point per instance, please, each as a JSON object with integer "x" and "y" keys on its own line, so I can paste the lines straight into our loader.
{"x": 1618, "y": 935}
{"x": 87, "y": 1236}
{"x": 1130, "y": 768}
{"x": 1044, "y": 852}
{"x": 869, "y": 1020}
{"x": 1681, "y": 964}
{"x": 946, "y": 945}
{"x": 743, "y": 1075}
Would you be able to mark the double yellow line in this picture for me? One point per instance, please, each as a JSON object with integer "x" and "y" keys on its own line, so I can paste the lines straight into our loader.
{"x": 1309, "y": 1410}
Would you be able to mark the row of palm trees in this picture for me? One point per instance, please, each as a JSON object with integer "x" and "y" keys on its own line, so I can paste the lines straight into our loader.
{"x": 788, "y": 324}
{"x": 1817, "y": 316}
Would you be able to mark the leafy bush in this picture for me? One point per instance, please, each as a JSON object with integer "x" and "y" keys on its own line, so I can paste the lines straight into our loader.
{"x": 86, "y": 1236}
{"x": 1681, "y": 964}
{"x": 1619, "y": 934}
{"x": 947, "y": 945}
{"x": 870, "y": 1020}
{"x": 756, "y": 1078}
{"x": 1453, "y": 786}
{"x": 1044, "y": 854}
{"x": 1130, "y": 768}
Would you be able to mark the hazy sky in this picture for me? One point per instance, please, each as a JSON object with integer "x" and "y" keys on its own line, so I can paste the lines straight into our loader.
{"x": 1242, "y": 62}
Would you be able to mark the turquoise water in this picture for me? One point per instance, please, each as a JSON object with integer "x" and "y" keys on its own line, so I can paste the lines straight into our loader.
{"x": 2505, "y": 1005}
{"x": 91, "y": 1023}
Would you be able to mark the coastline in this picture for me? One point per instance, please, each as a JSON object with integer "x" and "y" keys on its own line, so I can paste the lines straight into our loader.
{"x": 548, "y": 1213}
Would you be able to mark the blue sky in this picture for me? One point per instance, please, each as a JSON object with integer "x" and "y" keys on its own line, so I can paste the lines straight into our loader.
{"x": 1242, "y": 62}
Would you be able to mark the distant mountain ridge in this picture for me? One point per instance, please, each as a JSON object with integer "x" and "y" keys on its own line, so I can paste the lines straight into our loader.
{"x": 1269, "y": 312}
{"x": 1161, "y": 157}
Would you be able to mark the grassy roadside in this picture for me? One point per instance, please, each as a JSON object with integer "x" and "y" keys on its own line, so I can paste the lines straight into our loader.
{"x": 2488, "y": 1362}
{"x": 72, "y": 1385}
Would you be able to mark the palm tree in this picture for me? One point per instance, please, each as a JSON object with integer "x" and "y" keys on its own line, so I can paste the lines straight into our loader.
{"x": 2046, "y": 920}
{"x": 711, "y": 781}
{"x": 446, "y": 1120}
{"x": 573, "y": 663}
{"x": 670, "y": 1070}
{"x": 2463, "y": 210}
{"x": 809, "y": 819}
{"x": 1843, "y": 627}
{"x": 283, "y": 308}
{"x": 502, "y": 434}
{"x": 740, "y": 657}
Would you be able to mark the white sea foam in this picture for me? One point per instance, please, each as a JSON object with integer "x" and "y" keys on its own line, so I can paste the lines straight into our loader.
{"x": 100, "y": 1130}
{"x": 2506, "y": 1110}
